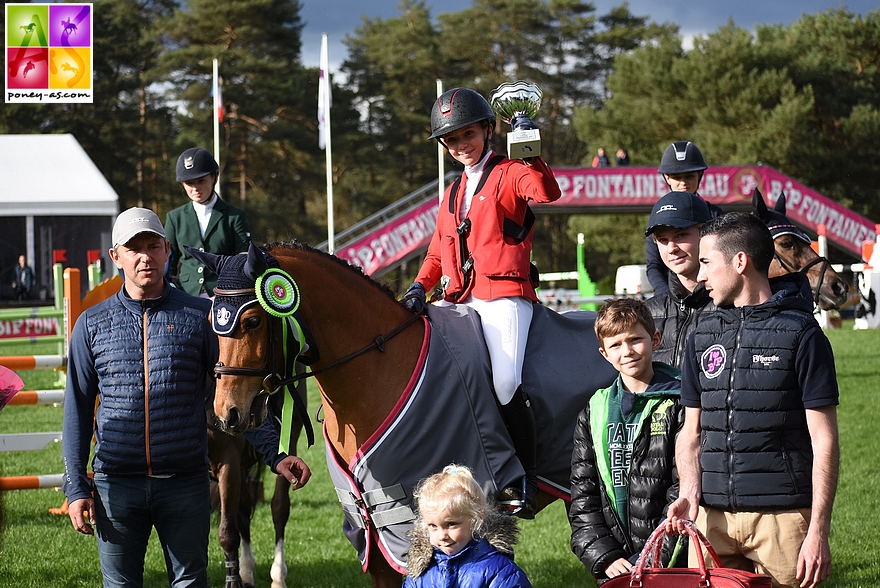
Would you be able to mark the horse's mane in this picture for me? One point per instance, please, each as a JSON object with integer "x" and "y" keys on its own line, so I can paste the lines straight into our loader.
{"x": 300, "y": 246}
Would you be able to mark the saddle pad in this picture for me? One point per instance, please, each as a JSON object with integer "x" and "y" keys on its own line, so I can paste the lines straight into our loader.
{"x": 563, "y": 369}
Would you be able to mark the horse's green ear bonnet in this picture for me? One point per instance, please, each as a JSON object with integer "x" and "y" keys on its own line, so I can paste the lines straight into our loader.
{"x": 256, "y": 278}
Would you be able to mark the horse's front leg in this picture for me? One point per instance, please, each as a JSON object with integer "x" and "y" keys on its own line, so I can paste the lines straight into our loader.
{"x": 226, "y": 465}
{"x": 280, "y": 516}
{"x": 251, "y": 494}
{"x": 229, "y": 486}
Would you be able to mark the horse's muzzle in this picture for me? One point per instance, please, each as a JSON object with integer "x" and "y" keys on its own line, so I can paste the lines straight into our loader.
{"x": 235, "y": 422}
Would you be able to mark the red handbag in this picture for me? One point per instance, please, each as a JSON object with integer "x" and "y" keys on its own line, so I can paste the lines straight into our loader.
{"x": 702, "y": 577}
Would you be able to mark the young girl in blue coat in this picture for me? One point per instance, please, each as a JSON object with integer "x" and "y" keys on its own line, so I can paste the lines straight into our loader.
{"x": 459, "y": 541}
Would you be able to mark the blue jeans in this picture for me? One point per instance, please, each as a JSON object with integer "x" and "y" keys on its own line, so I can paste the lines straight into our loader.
{"x": 126, "y": 510}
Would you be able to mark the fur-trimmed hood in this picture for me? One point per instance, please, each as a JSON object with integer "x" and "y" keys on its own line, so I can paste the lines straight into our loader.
{"x": 500, "y": 530}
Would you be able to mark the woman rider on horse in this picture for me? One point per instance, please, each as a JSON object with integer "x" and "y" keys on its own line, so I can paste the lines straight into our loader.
{"x": 480, "y": 256}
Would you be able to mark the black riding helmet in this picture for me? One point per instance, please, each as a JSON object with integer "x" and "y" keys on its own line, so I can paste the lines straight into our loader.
{"x": 682, "y": 157}
{"x": 195, "y": 163}
{"x": 458, "y": 108}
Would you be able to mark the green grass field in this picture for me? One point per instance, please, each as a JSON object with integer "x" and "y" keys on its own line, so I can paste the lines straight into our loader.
{"x": 39, "y": 549}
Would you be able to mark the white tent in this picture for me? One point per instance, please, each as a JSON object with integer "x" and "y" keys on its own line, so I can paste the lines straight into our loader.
{"x": 51, "y": 175}
{"x": 52, "y": 197}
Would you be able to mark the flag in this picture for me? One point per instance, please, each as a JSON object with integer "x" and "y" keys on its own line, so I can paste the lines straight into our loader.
{"x": 217, "y": 92}
{"x": 324, "y": 96}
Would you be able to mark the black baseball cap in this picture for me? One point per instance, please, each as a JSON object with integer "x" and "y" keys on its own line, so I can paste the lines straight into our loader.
{"x": 678, "y": 209}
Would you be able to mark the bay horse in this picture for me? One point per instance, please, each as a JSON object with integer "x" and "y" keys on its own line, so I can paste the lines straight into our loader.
{"x": 377, "y": 365}
{"x": 794, "y": 254}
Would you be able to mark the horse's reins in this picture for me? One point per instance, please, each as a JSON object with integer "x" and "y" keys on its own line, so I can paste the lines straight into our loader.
{"x": 803, "y": 269}
{"x": 272, "y": 377}
{"x": 378, "y": 343}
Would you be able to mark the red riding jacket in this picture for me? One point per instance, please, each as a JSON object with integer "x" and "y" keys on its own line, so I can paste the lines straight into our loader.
{"x": 500, "y": 255}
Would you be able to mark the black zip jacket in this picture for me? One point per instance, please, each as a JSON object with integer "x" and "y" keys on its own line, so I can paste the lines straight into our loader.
{"x": 676, "y": 314}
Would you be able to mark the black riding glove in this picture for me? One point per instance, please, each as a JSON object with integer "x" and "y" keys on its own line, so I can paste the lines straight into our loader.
{"x": 414, "y": 299}
{"x": 521, "y": 122}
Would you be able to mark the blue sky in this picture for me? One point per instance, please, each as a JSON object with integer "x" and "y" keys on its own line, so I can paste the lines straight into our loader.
{"x": 338, "y": 18}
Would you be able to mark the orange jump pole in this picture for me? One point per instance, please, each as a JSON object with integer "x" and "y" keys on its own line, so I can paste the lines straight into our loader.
{"x": 31, "y": 482}
{"x": 28, "y": 397}
{"x": 32, "y": 362}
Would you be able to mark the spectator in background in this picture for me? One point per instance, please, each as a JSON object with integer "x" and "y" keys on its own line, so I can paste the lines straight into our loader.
{"x": 601, "y": 160}
{"x": 207, "y": 223}
{"x": 23, "y": 279}
{"x": 682, "y": 167}
{"x": 622, "y": 157}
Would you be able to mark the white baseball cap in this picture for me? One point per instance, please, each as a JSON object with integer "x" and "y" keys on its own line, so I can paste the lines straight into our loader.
{"x": 135, "y": 221}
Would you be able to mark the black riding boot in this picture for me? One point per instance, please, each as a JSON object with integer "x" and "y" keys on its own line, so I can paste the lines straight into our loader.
{"x": 520, "y": 422}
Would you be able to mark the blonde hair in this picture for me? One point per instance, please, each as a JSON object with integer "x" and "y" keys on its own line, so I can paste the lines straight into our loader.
{"x": 454, "y": 489}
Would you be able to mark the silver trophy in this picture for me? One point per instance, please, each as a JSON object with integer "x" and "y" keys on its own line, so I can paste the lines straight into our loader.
{"x": 517, "y": 103}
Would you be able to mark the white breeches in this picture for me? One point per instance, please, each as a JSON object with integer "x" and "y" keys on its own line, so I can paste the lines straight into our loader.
{"x": 506, "y": 330}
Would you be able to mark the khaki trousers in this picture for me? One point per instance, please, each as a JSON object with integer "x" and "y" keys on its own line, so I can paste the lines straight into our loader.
{"x": 762, "y": 542}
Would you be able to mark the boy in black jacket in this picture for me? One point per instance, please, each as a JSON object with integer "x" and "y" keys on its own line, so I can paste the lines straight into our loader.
{"x": 622, "y": 470}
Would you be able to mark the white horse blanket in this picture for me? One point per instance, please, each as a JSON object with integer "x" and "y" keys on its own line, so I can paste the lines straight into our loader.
{"x": 448, "y": 414}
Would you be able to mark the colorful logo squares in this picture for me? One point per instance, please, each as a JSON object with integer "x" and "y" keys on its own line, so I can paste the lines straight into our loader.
{"x": 49, "y": 53}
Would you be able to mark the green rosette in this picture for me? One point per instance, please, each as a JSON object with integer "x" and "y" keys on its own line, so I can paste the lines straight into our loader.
{"x": 277, "y": 292}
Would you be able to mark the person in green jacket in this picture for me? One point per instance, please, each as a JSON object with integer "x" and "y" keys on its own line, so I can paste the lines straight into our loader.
{"x": 206, "y": 223}
{"x": 623, "y": 475}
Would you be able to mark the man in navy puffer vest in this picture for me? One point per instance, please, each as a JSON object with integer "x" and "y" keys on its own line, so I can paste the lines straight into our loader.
{"x": 146, "y": 353}
{"x": 759, "y": 452}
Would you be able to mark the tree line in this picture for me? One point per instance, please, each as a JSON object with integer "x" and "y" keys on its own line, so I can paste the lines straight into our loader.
{"x": 801, "y": 98}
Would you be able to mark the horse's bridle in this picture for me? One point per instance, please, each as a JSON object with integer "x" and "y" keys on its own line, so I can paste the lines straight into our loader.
{"x": 271, "y": 380}
{"x": 804, "y": 269}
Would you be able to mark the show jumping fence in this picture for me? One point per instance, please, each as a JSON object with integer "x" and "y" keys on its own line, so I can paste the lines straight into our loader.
{"x": 66, "y": 312}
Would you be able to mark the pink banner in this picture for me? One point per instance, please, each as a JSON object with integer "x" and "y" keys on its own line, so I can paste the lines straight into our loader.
{"x": 622, "y": 188}
{"x": 394, "y": 241}
{"x": 28, "y": 327}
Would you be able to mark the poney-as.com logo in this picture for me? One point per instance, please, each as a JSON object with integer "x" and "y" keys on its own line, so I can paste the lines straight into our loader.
{"x": 49, "y": 53}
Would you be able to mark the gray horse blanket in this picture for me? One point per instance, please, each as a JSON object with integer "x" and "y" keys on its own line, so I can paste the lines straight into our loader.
{"x": 448, "y": 414}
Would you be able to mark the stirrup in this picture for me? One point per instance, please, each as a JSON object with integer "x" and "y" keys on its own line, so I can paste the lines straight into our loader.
{"x": 515, "y": 502}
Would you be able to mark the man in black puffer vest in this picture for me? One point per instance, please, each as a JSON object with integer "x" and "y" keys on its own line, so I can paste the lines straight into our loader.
{"x": 759, "y": 450}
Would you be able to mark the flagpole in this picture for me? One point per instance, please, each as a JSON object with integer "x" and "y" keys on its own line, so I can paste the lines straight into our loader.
{"x": 216, "y": 118}
{"x": 441, "y": 162}
{"x": 325, "y": 106}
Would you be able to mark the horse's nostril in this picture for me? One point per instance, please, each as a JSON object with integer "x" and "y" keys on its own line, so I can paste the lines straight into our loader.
{"x": 233, "y": 418}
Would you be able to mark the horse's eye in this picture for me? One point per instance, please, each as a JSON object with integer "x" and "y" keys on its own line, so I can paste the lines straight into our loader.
{"x": 251, "y": 323}
{"x": 787, "y": 244}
